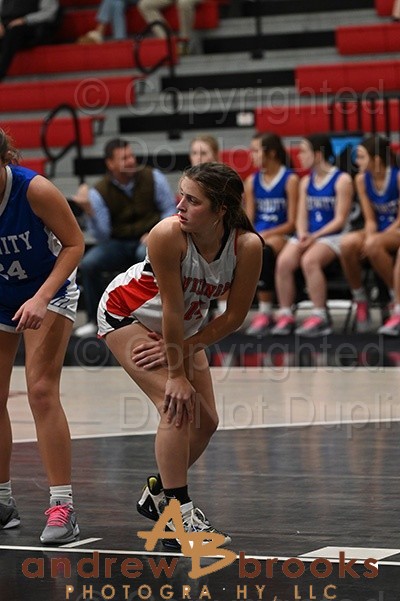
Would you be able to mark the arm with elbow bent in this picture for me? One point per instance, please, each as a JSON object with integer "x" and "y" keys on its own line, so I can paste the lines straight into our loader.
{"x": 51, "y": 207}
{"x": 153, "y": 353}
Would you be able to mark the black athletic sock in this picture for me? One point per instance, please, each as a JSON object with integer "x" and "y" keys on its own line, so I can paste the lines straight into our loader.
{"x": 178, "y": 493}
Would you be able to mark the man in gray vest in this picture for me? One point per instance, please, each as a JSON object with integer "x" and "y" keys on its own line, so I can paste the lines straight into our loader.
{"x": 24, "y": 24}
{"x": 120, "y": 209}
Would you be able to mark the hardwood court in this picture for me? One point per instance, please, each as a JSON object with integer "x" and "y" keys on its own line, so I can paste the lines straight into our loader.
{"x": 304, "y": 467}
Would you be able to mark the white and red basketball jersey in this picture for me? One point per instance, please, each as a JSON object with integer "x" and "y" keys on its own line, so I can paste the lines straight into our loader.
{"x": 134, "y": 295}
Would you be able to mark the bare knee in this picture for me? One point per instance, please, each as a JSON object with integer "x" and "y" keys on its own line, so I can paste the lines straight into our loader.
{"x": 349, "y": 245}
{"x": 205, "y": 425}
{"x": 310, "y": 264}
{"x": 373, "y": 246}
{"x": 41, "y": 396}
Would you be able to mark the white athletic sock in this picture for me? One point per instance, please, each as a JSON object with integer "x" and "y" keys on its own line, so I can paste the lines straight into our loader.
{"x": 285, "y": 311}
{"x": 5, "y": 492}
{"x": 61, "y": 495}
{"x": 320, "y": 312}
{"x": 265, "y": 307}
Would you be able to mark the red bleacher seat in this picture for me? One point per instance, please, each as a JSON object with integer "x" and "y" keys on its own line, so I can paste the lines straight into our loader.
{"x": 314, "y": 118}
{"x": 368, "y": 39}
{"x": 92, "y": 94}
{"x": 26, "y": 133}
{"x": 354, "y": 77}
{"x": 293, "y": 120}
{"x": 384, "y": 7}
{"x": 36, "y": 164}
{"x": 68, "y": 58}
{"x": 239, "y": 159}
{"x": 78, "y": 22}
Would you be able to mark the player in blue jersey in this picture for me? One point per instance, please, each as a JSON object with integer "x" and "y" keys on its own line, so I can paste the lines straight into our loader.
{"x": 271, "y": 196}
{"x": 378, "y": 188}
{"x": 325, "y": 198}
{"x": 40, "y": 247}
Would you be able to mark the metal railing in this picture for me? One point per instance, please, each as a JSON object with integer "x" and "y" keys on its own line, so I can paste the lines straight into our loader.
{"x": 367, "y": 112}
{"x": 166, "y": 60}
{"x": 76, "y": 142}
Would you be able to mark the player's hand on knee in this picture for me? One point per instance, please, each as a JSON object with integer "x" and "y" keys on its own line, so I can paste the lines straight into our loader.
{"x": 179, "y": 401}
{"x": 151, "y": 353}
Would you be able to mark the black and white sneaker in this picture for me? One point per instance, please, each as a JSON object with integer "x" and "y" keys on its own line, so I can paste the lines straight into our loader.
{"x": 152, "y": 502}
{"x": 9, "y": 516}
{"x": 193, "y": 520}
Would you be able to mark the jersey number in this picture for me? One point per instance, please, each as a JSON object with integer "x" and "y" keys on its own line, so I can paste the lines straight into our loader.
{"x": 194, "y": 311}
{"x": 15, "y": 270}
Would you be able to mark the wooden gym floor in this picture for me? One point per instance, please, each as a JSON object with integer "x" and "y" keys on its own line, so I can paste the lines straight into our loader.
{"x": 303, "y": 467}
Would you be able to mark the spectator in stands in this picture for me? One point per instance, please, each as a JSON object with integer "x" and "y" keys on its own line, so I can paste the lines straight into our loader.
{"x": 110, "y": 12}
{"x": 121, "y": 209}
{"x": 396, "y": 10}
{"x": 325, "y": 198}
{"x": 25, "y": 24}
{"x": 204, "y": 148}
{"x": 378, "y": 189}
{"x": 392, "y": 326}
{"x": 150, "y": 11}
{"x": 271, "y": 196}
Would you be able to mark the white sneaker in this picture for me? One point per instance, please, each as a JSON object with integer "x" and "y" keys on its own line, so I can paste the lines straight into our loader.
{"x": 193, "y": 520}
{"x": 89, "y": 329}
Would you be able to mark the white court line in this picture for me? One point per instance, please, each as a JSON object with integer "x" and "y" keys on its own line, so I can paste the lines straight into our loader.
{"x": 111, "y": 552}
{"x": 79, "y": 543}
{"x": 342, "y": 422}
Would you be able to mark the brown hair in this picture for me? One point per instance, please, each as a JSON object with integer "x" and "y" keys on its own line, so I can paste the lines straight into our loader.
{"x": 380, "y": 147}
{"x": 8, "y": 153}
{"x": 224, "y": 188}
{"x": 273, "y": 143}
{"x": 209, "y": 140}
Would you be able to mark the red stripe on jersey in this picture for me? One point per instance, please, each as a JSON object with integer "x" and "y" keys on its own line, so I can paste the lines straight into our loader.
{"x": 129, "y": 297}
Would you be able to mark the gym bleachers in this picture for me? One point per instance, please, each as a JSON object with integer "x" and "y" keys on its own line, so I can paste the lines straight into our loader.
{"x": 368, "y": 39}
{"x": 72, "y": 58}
{"x": 299, "y": 39}
{"x": 78, "y": 21}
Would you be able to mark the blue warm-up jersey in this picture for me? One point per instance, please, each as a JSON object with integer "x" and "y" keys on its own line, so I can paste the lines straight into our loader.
{"x": 321, "y": 201}
{"x": 386, "y": 202}
{"x": 271, "y": 200}
{"x": 28, "y": 249}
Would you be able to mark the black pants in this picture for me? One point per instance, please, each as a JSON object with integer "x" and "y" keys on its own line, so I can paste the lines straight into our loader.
{"x": 19, "y": 37}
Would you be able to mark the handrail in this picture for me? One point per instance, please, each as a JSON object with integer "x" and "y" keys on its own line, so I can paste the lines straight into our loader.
{"x": 75, "y": 142}
{"x": 258, "y": 52}
{"x": 168, "y": 58}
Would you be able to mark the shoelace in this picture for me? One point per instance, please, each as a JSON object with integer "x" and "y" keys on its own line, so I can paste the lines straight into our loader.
{"x": 58, "y": 515}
